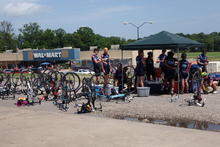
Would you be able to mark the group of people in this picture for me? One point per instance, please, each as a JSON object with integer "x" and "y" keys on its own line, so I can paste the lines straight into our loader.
{"x": 169, "y": 67}
{"x": 101, "y": 64}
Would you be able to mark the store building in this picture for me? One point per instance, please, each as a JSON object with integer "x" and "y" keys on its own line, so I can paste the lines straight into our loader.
{"x": 79, "y": 58}
{"x": 35, "y": 57}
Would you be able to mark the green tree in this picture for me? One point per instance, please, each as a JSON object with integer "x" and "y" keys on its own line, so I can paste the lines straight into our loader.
{"x": 59, "y": 37}
{"x": 85, "y": 36}
{"x": 30, "y": 36}
{"x": 48, "y": 39}
{"x": 6, "y": 36}
{"x": 211, "y": 41}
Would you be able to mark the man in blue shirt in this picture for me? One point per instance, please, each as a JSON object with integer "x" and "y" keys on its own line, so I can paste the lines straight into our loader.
{"x": 202, "y": 61}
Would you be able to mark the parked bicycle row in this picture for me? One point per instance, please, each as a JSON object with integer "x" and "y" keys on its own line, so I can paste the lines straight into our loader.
{"x": 61, "y": 87}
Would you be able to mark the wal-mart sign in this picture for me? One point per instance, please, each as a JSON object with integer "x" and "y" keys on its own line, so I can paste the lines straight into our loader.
{"x": 56, "y": 54}
{"x": 51, "y": 55}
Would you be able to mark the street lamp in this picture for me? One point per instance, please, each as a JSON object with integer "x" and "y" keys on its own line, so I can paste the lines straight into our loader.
{"x": 138, "y": 27}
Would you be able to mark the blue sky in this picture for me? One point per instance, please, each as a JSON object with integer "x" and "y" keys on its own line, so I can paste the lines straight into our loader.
{"x": 105, "y": 17}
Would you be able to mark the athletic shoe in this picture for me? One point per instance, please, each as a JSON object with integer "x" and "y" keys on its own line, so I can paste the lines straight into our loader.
{"x": 172, "y": 92}
{"x": 215, "y": 92}
{"x": 200, "y": 104}
{"x": 162, "y": 88}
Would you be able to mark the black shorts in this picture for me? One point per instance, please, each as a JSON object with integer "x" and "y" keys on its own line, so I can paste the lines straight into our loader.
{"x": 184, "y": 75}
{"x": 150, "y": 72}
{"x": 139, "y": 72}
{"x": 162, "y": 68}
{"x": 107, "y": 69}
{"x": 97, "y": 71}
{"x": 170, "y": 74}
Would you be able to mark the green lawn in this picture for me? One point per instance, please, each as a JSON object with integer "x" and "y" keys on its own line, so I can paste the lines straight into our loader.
{"x": 211, "y": 55}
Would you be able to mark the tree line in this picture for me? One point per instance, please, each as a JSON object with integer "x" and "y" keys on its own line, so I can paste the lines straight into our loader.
{"x": 31, "y": 35}
{"x": 211, "y": 40}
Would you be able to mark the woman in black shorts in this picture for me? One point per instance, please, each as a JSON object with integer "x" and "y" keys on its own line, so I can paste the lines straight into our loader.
{"x": 150, "y": 70}
{"x": 184, "y": 73}
{"x": 106, "y": 65}
{"x": 140, "y": 69}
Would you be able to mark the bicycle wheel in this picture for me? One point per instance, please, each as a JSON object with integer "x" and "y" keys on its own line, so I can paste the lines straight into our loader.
{"x": 17, "y": 79}
{"x": 56, "y": 76}
{"x": 197, "y": 80}
{"x": 130, "y": 71}
{"x": 197, "y": 76}
{"x": 25, "y": 75}
{"x": 73, "y": 80}
{"x": 2, "y": 79}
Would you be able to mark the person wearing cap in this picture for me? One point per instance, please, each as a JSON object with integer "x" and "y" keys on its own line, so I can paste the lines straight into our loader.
{"x": 106, "y": 65}
{"x": 184, "y": 73}
{"x": 96, "y": 64}
{"x": 202, "y": 61}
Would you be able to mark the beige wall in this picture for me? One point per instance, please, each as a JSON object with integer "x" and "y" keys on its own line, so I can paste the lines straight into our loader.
{"x": 85, "y": 55}
{"x": 116, "y": 54}
{"x": 11, "y": 57}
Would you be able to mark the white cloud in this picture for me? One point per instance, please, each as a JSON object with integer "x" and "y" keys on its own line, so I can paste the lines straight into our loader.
{"x": 22, "y": 8}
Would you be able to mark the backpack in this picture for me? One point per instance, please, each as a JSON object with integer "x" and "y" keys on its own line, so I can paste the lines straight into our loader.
{"x": 85, "y": 108}
{"x": 22, "y": 101}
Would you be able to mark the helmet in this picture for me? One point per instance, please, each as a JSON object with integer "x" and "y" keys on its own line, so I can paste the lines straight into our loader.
{"x": 204, "y": 74}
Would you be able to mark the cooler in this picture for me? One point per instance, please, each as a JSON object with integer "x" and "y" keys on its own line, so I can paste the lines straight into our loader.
{"x": 155, "y": 87}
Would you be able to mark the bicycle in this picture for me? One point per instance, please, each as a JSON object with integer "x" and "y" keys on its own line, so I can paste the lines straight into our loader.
{"x": 70, "y": 85}
{"x": 196, "y": 99}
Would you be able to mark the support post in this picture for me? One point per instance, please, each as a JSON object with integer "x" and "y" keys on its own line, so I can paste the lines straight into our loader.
{"x": 178, "y": 74}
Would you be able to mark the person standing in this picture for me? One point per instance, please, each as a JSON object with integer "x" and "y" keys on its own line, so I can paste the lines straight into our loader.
{"x": 202, "y": 61}
{"x": 106, "y": 65}
{"x": 160, "y": 60}
{"x": 96, "y": 64}
{"x": 170, "y": 71}
{"x": 140, "y": 69}
{"x": 149, "y": 63}
{"x": 184, "y": 73}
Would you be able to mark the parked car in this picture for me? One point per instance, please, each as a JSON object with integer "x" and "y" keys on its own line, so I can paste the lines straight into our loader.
{"x": 36, "y": 69}
{"x": 84, "y": 71}
{"x": 8, "y": 71}
{"x": 25, "y": 70}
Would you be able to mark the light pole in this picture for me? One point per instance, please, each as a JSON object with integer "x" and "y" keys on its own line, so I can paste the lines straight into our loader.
{"x": 138, "y": 27}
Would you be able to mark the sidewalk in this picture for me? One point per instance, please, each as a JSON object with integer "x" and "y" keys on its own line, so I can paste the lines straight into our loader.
{"x": 28, "y": 128}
